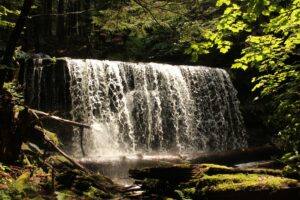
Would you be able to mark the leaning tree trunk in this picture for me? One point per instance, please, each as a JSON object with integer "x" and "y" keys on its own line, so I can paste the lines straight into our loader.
{"x": 13, "y": 40}
{"x": 10, "y": 140}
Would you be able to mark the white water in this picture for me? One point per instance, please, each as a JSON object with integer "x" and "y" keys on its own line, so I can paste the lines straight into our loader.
{"x": 153, "y": 108}
{"x": 145, "y": 108}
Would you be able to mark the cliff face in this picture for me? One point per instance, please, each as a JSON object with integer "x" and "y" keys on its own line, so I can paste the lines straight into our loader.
{"x": 46, "y": 85}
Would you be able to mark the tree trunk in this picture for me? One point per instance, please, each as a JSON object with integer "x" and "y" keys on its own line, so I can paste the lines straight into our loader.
{"x": 13, "y": 40}
{"x": 60, "y": 29}
{"x": 72, "y": 18}
{"x": 48, "y": 17}
{"x": 88, "y": 21}
{"x": 10, "y": 140}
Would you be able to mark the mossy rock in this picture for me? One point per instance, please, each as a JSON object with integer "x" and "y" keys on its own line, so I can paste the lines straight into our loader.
{"x": 83, "y": 184}
{"x": 237, "y": 182}
{"x": 210, "y": 179}
{"x": 95, "y": 193}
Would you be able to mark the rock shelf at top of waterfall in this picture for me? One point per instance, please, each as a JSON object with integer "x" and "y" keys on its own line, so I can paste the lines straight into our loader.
{"x": 142, "y": 107}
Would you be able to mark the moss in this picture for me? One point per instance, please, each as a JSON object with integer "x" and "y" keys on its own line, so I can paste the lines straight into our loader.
{"x": 53, "y": 137}
{"x": 53, "y": 60}
{"x": 189, "y": 193}
{"x": 95, "y": 193}
{"x": 201, "y": 169}
{"x": 292, "y": 171}
{"x": 35, "y": 182}
{"x": 82, "y": 184}
{"x": 210, "y": 178}
{"x": 180, "y": 194}
{"x": 5, "y": 178}
{"x": 5, "y": 195}
{"x": 184, "y": 165}
{"x": 150, "y": 183}
{"x": 189, "y": 190}
{"x": 24, "y": 187}
{"x": 214, "y": 166}
{"x": 20, "y": 183}
{"x": 65, "y": 194}
{"x": 59, "y": 158}
{"x": 237, "y": 182}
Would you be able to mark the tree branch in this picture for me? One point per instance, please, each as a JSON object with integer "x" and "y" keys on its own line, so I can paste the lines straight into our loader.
{"x": 148, "y": 10}
{"x": 66, "y": 121}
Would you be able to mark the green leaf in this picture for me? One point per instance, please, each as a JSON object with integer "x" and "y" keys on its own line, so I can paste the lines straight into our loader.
{"x": 259, "y": 58}
{"x": 195, "y": 47}
{"x": 272, "y": 8}
{"x": 266, "y": 13}
{"x": 239, "y": 66}
{"x": 21, "y": 183}
{"x": 221, "y": 2}
{"x": 228, "y": 10}
{"x": 224, "y": 50}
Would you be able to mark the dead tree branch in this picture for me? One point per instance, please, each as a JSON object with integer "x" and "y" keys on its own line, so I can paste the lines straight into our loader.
{"x": 53, "y": 117}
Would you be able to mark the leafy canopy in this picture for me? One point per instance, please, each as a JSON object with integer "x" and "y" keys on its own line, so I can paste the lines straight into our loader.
{"x": 269, "y": 32}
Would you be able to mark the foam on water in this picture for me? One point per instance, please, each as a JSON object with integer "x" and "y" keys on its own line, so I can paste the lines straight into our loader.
{"x": 150, "y": 107}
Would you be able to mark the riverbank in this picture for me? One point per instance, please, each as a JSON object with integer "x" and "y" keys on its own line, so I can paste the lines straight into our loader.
{"x": 208, "y": 181}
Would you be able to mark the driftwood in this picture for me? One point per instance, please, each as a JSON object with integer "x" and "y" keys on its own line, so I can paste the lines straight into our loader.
{"x": 236, "y": 156}
{"x": 59, "y": 119}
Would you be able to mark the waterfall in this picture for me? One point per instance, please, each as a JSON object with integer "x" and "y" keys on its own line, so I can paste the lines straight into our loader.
{"x": 143, "y": 107}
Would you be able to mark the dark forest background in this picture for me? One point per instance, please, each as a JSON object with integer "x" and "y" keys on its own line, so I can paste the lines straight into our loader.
{"x": 257, "y": 41}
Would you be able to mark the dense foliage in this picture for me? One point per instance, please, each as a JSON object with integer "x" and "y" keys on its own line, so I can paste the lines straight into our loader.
{"x": 9, "y": 11}
{"x": 155, "y": 30}
{"x": 260, "y": 35}
{"x": 268, "y": 32}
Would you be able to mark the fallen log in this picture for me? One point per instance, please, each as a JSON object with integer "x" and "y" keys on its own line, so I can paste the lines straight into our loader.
{"x": 209, "y": 181}
{"x": 267, "y": 194}
{"x": 175, "y": 173}
{"x": 184, "y": 172}
{"x": 229, "y": 170}
{"x": 236, "y": 156}
{"x": 59, "y": 119}
{"x": 53, "y": 145}
{"x": 38, "y": 113}
{"x": 31, "y": 123}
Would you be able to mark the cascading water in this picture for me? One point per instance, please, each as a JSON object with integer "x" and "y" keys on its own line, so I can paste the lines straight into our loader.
{"x": 148, "y": 107}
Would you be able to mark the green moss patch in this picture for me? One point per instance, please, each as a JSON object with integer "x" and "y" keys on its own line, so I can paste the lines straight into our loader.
{"x": 56, "y": 180}
{"x": 238, "y": 182}
{"x": 209, "y": 179}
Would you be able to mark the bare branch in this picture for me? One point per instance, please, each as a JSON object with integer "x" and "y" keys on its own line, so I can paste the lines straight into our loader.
{"x": 53, "y": 117}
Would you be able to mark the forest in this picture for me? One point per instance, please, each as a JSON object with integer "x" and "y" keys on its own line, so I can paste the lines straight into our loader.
{"x": 145, "y": 99}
